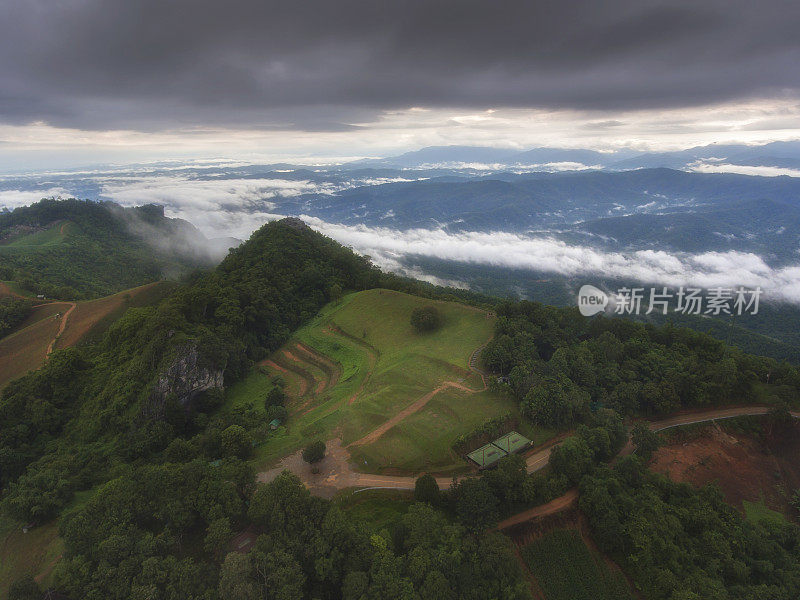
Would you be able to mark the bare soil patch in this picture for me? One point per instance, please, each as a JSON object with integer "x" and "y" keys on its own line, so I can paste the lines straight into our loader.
{"x": 745, "y": 466}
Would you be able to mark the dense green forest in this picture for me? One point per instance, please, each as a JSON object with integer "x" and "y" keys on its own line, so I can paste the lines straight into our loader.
{"x": 561, "y": 366}
{"x": 167, "y": 467}
{"x": 681, "y": 543}
{"x": 12, "y": 312}
{"x": 75, "y": 249}
{"x": 90, "y": 407}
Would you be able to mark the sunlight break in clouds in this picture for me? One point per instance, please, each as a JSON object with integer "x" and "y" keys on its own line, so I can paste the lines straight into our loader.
{"x": 40, "y": 145}
{"x": 708, "y": 270}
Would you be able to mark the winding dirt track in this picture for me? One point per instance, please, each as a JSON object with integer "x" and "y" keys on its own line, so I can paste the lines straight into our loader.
{"x": 61, "y": 327}
{"x": 376, "y": 433}
{"x": 552, "y": 507}
{"x": 540, "y": 458}
{"x": 337, "y": 472}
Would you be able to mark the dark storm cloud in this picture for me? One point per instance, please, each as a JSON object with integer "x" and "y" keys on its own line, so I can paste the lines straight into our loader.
{"x": 320, "y": 64}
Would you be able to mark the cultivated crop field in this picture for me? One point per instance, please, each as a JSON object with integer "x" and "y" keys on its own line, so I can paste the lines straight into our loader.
{"x": 35, "y": 552}
{"x": 567, "y": 570}
{"x": 91, "y": 318}
{"x": 396, "y": 398}
{"x": 56, "y": 325}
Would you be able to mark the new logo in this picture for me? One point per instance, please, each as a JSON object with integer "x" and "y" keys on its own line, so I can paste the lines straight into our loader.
{"x": 591, "y": 300}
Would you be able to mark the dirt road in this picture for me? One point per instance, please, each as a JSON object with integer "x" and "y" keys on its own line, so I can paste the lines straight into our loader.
{"x": 61, "y": 328}
{"x": 550, "y": 508}
{"x": 417, "y": 405}
{"x": 337, "y": 472}
{"x": 540, "y": 458}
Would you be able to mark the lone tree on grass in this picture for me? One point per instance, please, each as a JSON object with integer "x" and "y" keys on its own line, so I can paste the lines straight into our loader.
{"x": 314, "y": 452}
{"x": 426, "y": 489}
{"x": 427, "y": 318}
{"x": 275, "y": 397}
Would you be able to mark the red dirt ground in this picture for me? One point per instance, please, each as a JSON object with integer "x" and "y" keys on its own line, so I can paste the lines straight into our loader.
{"x": 87, "y": 315}
{"x": 746, "y": 468}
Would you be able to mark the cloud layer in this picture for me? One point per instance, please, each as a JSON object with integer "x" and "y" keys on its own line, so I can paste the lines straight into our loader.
{"x": 547, "y": 254}
{"x": 327, "y": 66}
{"x": 237, "y": 206}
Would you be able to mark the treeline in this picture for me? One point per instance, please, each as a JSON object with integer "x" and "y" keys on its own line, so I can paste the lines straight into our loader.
{"x": 561, "y": 366}
{"x": 679, "y": 542}
{"x": 167, "y": 532}
{"x": 13, "y": 311}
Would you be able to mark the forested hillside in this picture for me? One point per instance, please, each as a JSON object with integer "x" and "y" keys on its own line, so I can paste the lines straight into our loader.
{"x": 133, "y": 418}
{"x": 74, "y": 249}
{"x": 561, "y": 366}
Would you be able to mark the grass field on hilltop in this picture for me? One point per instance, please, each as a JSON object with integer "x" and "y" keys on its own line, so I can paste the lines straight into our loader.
{"x": 566, "y": 569}
{"x": 385, "y": 366}
{"x": 48, "y": 237}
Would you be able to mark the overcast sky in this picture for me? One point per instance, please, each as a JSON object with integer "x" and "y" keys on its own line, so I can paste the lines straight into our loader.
{"x": 89, "y": 80}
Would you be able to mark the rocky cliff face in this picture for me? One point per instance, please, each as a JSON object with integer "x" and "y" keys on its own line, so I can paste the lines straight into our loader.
{"x": 185, "y": 378}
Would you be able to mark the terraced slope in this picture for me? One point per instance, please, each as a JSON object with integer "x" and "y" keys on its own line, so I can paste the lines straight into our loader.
{"x": 394, "y": 398}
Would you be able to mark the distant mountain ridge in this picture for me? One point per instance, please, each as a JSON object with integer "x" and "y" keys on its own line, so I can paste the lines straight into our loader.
{"x": 661, "y": 208}
{"x": 775, "y": 154}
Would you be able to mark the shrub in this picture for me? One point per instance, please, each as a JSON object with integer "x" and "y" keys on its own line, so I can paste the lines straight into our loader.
{"x": 235, "y": 442}
{"x": 426, "y": 490}
{"x": 276, "y": 412}
{"x": 275, "y": 397}
{"x": 489, "y": 430}
{"x": 314, "y": 452}
{"x": 24, "y": 588}
{"x": 426, "y": 319}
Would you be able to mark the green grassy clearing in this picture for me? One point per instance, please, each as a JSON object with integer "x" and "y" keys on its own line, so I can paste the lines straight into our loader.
{"x": 567, "y": 570}
{"x": 49, "y": 237}
{"x": 385, "y": 367}
{"x": 758, "y": 511}
{"x": 251, "y": 390}
{"x": 423, "y": 441}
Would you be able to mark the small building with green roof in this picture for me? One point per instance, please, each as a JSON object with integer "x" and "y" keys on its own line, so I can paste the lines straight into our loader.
{"x": 486, "y": 456}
